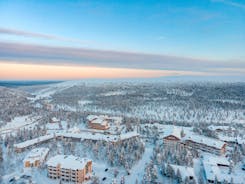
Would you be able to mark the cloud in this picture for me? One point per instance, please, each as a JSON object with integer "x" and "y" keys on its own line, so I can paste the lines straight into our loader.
{"x": 39, "y": 35}
{"x": 230, "y": 3}
{"x": 13, "y": 71}
{"x": 47, "y": 55}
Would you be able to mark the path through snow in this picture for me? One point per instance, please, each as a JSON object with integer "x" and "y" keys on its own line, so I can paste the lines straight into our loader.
{"x": 137, "y": 171}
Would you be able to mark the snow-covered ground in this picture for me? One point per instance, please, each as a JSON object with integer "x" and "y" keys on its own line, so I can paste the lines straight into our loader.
{"x": 153, "y": 108}
{"x": 137, "y": 172}
{"x": 27, "y": 122}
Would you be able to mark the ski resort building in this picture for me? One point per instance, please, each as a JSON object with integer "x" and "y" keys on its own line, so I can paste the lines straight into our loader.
{"x": 69, "y": 168}
{"x": 74, "y": 137}
{"x": 205, "y": 144}
{"x": 172, "y": 136}
{"x": 36, "y": 157}
{"x": 30, "y": 143}
{"x": 216, "y": 169}
{"x": 98, "y": 122}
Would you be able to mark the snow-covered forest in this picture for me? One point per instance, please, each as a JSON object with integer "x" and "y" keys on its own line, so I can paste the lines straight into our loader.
{"x": 140, "y": 118}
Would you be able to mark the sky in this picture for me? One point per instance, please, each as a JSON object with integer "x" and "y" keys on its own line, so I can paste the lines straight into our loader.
{"x": 75, "y": 39}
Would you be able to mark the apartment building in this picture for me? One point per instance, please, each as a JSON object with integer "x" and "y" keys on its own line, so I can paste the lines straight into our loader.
{"x": 69, "y": 168}
{"x": 36, "y": 157}
{"x": 206, "y": 144}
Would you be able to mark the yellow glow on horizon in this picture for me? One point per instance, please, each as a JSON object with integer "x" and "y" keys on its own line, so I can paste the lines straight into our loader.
{"x": 15, "y": 71}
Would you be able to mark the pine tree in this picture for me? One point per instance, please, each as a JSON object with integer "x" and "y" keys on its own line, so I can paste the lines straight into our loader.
{"x": 122, "y": 180}
{"x": 1, "y": 154}
{"x": 216, "y": 180}
{"x": 179, "y": 177}
{"x": 163, "y": 168}
{"x": 200, "y": 179}
{"x": 169, "y": 171}
{"x": 186, "y": 180}
{"x": 182, "y": 133}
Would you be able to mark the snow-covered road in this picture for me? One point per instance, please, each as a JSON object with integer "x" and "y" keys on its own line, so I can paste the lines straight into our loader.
{"x": 137, "y": 171}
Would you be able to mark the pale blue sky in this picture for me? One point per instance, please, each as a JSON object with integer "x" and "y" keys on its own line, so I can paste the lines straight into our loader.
{"x": 207, "y": 30}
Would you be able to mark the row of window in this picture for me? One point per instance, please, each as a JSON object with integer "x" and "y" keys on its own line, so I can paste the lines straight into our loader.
{"x": 204, "y": 148}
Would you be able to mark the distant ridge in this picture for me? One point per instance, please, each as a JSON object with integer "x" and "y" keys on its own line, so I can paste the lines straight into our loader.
{"x": 15, "y": 84}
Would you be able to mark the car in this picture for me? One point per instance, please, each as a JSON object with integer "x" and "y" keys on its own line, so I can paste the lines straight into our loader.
{"x": 12, "y": 180}
{"x": 103, "y": 179}
{"x": 25, "y": 176}
{"x": 106, "y": 169}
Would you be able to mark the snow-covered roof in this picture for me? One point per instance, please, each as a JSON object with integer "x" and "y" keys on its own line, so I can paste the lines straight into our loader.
{"x": 218, "y": 166}
{"x": 215, "y": 143}
{"x": 68, "y": 162}
{"x": 227, "y": 138}
{"x": 216, "y": 127}
{"x": 81, "y": 135}
{"x": 215, "y": 160}
{"x": 104, "y": 119}
{"x": 184, "y": 170}
{"x": 211, "y": 171}
{"x": 33, "y": 141}
{"x": 52, "y": 126}
{"x": 36, "y": 154}
{"x": 172, "y": 130}
{"x": 91, "y": 117}
{"x": 99, "y": 136}
{"x": 100, "y": 120}
{"x": 74, "y": 130}
{"x": 54, "y": 119}
{"x": 221, "y": 173}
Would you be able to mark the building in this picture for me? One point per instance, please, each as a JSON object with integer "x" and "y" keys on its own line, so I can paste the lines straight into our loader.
{"x": 216, "y": 169}
{"x": 48, "y": 105}
{"x": 206, "y": 144}
{"x": 54, "y": 120}
{"x": 69, "y": 168}
{"x": 218, "y": 129}
{"x": 98, "y": 122}
{"x": 33, "y": 142}
{"x": 98, "y": 136}
{"x": 36, "y": 157}
{"x": 74, "y": 130}
{"x": 53, "y": 127}
{"x": 172, "y": 136}
{"x": 186, "y": 172}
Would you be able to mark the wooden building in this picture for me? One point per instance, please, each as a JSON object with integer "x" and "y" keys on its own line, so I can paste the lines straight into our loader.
{"x": 172, "y": 136}
{"x": 98, "y": 122}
